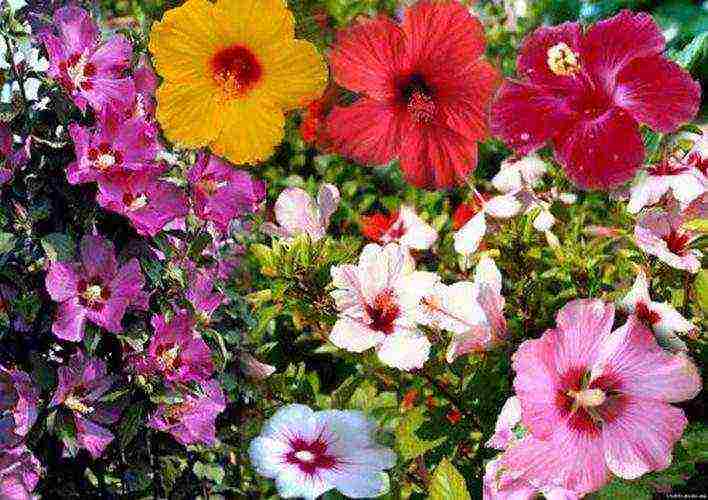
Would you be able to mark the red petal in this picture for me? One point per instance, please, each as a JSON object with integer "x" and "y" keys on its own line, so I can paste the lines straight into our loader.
{"x": 440, "y": 34}
{"x": 532, "y": 62}
{"x": 366, "y": 57}
{"x": 368, "y": 131}
{"x": 525, "y": 116}
{"x": 610, "y": 44}
{"x": 658, "y": 92}
{"x": 437, "y": 157}
{"x": 601, "y": 153}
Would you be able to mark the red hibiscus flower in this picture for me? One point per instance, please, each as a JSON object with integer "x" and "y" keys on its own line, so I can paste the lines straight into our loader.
{"x": 424, "y": 93}
{"x": 587, "y": 93}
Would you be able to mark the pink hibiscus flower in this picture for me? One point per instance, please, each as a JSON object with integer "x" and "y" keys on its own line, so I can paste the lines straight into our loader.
{"x": 18, "y": 404}
{"x": 296, "y": 212}
{"x": 202, "y": 294}
{"x": 192, "y": 420}
{"x": 82, "y": 384}
{"x": 95, "y": 289}
{"x": 19, "y": 473}
{"x": 149, "y": 203}
{"x": 425, "y": 90}
{"x": 222, "y": 193}
{"x": 587, "y": 93}
{"x": 177, "y": 351}
{"x": 596, "y": 401}
{"x": 92, "y": 72}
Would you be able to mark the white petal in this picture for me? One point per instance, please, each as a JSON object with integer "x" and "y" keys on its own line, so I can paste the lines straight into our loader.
{"x": 646, "y": 190}
{"x": 354, "y": 336}
{"x": 295, "y": 211}
{"x": 418, "y": 234}
{"x": 503, "y": 207}
{"x": 405, "y": 350}
{"x": 508, "y": 418}
{"x": 687, "y": 187}
{"x": 266, "y": 455}
{"x": 287, "y": 420}
{"x": 544, "y": 220}
{"x": 327, "y": 201}
{"x": 639, "y": 293}
{"x": 468, "y": 238}
{"x": 508, "y": 178}
{"x": 671, "y": 320}
{"x": 488, "y": 273}
{"x": 361, "y": 482}
{"x": 295, "y": 484}
{"x": 532, "y": 169}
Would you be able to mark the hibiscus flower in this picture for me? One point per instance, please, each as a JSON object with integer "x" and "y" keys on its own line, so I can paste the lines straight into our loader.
{"x": 91, "y": 71}
{"x": 296, "y": 212}
{"x": 424, "y": 93}
{"x": 377, "y": 302}
{"x": 596, "y": 401}
{"x": 19, "y": 473}
{"x": 470, "y": 219}
{"x": 309, "y": 453}
{"x": 18, "y": 406}
{"x": 587, "y": 93}
{"x": 403, "y": 226}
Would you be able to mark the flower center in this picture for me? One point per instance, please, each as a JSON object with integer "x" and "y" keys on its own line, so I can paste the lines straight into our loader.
{"x": 309, "y": 456}
{"x": 74, "y": 404}
{"x": 104, "y": 158}
{"x": 383, "y": 312}
{"x": 667, "y": 167}
{"x": 646, "y": 315}
{"x": 78, "y": 70}
{"x": 93, "y": 294}
{"x": 588, "y": 398}
{"x": 421, "y": 107}
{"x": 236, "y": 70}
{"x": 169, "y": 356}
{"x": 562, "y": 60}
{"x": 305, "y": 456}
{"x": 135, "y": 202}
{"x": 677, "y": 242}
{"x": 210, "y": 186}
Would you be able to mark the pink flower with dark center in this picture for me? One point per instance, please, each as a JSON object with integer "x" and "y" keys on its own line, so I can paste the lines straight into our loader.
{"x": 309, "y": 453}
{"x": 191, "y": 420}
{"x": 113, "y": 145}
{"x": 148, "y": 202}
{"x": 177, "y": 351}
{"x": 659, "y": 232}
{"x": 90, "y": 71}
{"x": 19, "y": 473}
{"x": 596, "y": 401}
{"x": 18, "y": 406}
{"x": 403, "y": 226}
{"x": 222, "y": 193}
{"x": 296, "y": 212}
{"x": 82, "y": 384}
{"x": 587, "y": 92}
{"x": 424, "y": 89}
{"x": 95, "y": 289}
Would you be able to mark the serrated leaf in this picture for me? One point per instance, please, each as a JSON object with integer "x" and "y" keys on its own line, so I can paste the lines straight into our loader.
{"x": 448, "y": 483}
{"x": 58, "y": 247}
{"x": 408, "y": 443}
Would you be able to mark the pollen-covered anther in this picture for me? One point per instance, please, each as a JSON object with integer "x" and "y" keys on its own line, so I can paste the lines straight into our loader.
{"x": 588, "y": 398}
{"x": 421, "y": 107}
{"x": 562, "y": 60}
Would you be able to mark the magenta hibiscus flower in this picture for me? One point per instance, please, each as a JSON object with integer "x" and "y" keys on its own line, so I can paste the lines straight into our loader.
{"x": 596, "y": 401}
{"x": 587, "y": 93}
{"x": 112, "y": 146}
{"x": 18, "y": 406}
{"x": 201, "y": 293}
{"x": 425, "y": 90}
{"x": 82, "y": 384}
{"x": 222, "y": 193}
{"x": 96, "y": 289}
{"x": 149, "y": 203}
{"x": 19, "y": 473}
{"x": 177, "y": 351}
{"x": 193, "y": 419}
{"x": 92, "y": 72}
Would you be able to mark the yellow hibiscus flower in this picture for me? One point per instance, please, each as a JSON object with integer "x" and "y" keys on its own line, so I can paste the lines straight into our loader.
{"x": 230, "y": 70}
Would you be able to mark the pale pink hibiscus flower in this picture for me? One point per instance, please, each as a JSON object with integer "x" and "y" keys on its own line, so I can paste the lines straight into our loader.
{"x": 82, "y": 384}
{"x": 90, "y": 71}
{"x": 296, "y": 212}
{"x": 661, "y": 317}
{"x": 95, "y": 289}
{"x": 377, "y": 302}
{"x": 113, "y": 145}
{"x": 508, "y": 419}
{"x": 222, "y": 193}
{"x": 403, "y": 226}
{"x": 147, "y": 201}
{"x": 497, "y": 486}
{"x": 596, "y": 402}
{"x": 177, "y": 351}
{"x": 19, "y": 473}
{"x": 309, "y": 453}
{"x": 471, "y": 310}
{"x": 191, "y": 418}
{"x": 18, "y": 406}
{"x": 659, "y": 232}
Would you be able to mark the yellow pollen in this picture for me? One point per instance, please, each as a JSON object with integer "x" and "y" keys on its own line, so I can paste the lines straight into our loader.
{"x": 562, "y": 60}
{"x": 73, "y": 403}
{"x": 588, "y": 398}
{"x": 93, "y": 293}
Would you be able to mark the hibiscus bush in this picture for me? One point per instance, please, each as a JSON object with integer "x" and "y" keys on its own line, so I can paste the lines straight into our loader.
{"x": 365, "y": 249}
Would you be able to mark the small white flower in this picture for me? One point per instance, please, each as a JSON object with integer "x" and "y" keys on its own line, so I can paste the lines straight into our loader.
{"x": 377, "y": 301}
{"x": 297, "y": 213}
{"x": 659, "y": 316}
{"x": 515, "y": 174}
{"x": 468, "y": 238}
{"x": 309, "y": 453}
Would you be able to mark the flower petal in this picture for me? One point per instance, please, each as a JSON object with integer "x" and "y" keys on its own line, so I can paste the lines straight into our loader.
{"x": 354, "y": 336}
{"x": 532, "y": 62}
{"x": 404, "y": 349}
{"x": 98, "y": 256}
{"x": 70, "y": 320}
{"x": 62, "y": 281}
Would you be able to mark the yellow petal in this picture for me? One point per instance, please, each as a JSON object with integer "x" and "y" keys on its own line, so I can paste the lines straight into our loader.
{"x": 188, "y": 113}
{"x": 253, "y": 22}
{"x": 185, "y": 40}
{"x": 252, "y": 129}
{"x": 294, "y": 74}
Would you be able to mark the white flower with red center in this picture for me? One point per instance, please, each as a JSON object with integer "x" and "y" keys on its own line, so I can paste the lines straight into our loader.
{"x": 309, "y": 453}
{"x": 377, "y": 302}
{"x": 661, "y": 317}
{"x": 471, "y": 310}
{"x": 403, "y": 226}
{"x": 471, "y": 220}
{"x": 681, "y": 177}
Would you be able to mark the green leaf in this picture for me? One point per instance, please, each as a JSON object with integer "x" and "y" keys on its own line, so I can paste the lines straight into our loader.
{"x": 701, "y": 285}
{"x": 408, "y": 443}
{"x": 214, "y": 473}
{"x": 58, "y": 247}
{"x": 623, "y": 490}
{"x": 697, "y": 225}
{"x": 691, "y": 53}
{"x": 448, "y": 483}
{"x": 7, "y": 242}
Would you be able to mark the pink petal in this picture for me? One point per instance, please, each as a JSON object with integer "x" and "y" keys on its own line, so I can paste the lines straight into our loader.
{"x": 98, "y": 256}
{"x": 658, "y": 92}
{"x": 70, "y": 320}
{"x": 62, "y": 281}
{"x": 91, "y": 436}
{"x": 78, "y": 30}
{"x": 113, "y": 56}
{"x": 110, "y": 315}
{"x": 601, "y": 153}
{"x": 642, "y": 437}
{"x": 583, "y": 325}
